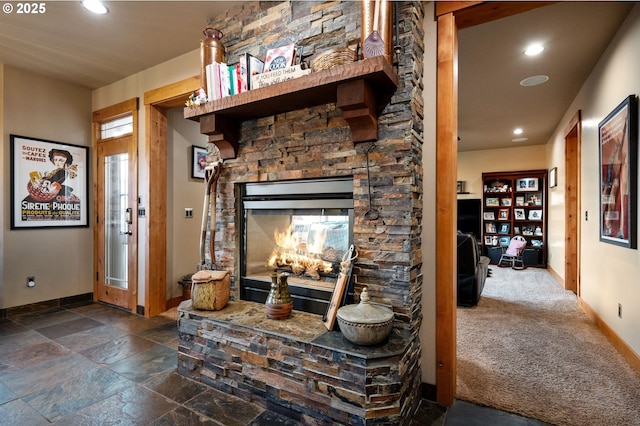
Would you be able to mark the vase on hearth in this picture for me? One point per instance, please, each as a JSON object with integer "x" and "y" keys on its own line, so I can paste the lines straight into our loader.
{"x": 279, "y": 303}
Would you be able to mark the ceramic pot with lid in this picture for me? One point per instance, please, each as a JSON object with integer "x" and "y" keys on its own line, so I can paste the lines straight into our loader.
{"x": 365, "y": 323}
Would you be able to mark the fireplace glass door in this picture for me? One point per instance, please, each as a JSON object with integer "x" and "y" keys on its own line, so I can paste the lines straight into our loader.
{"x": 304, "y": 235}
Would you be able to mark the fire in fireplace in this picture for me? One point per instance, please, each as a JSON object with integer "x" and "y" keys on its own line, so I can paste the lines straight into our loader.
{"x": 302, "y": 228}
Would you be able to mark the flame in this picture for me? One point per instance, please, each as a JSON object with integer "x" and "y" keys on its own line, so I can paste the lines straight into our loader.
{"x": 300, "y": 256}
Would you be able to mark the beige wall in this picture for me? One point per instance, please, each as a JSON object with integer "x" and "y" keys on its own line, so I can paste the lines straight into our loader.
{"x": 608, "y": 272}
{"x": 471, "y": 164}
{"x": 428, "y": 327}
{"x": 183, "y": 235}
{"x": 60, "y": 258}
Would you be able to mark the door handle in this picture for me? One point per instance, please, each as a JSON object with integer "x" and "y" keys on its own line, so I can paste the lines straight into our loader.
{"x": 129, "y": 232}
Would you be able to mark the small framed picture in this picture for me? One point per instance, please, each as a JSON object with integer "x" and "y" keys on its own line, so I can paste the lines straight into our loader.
{"x": 535, "y": 214}
{"x": 506, "y": 201}
{"x": 504, "y": 228}
{"x": 503, "y": 214}
{"x": 198, "y": 161}
{"x": 520, "y": 201}
{"x": 527, "y": 184}
{"x": 518, "y": 214}
{"x": 487, "y": 240}
{"x": 504, "y": 241}
{"x": 553, "y": 177}
{"x": 493, "y": 202}
{"x": 516, "y": 230}
{"x": 490, "y": 228}
{"x": 489, "y": 216}
{"x": 460, "y": 187}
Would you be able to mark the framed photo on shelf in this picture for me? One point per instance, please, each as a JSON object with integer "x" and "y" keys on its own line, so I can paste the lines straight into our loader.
{"x": 460, "y": 187}
{"x": 49, "y": 184}
{"x": 518, "y": 214}
{"x": 198, "y": 161}
{"x": 520, "y": 201}
{"x": 618, "y": 145}
{"x": 493, "y": 202}
{"x": 516, "y": 230}
{"x": 527, "y": 184}
{"x": 504, "y": 228}
{"x": 490, "y": 228}
{"x": 506, "y": 202}
{"x": 489, "y": 216}
{"x": 487, "y": 240}
{"x": 535, "y": 214}
{"x": 504, "y": 241}
{"x": 503, "y": 214}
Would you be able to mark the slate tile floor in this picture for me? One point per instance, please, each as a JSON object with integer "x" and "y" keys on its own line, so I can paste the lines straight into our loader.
{"x": 98, "y": 365}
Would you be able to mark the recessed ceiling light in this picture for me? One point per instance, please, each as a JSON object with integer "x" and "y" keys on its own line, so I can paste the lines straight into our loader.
{"x": 534, "y": 80}
{"x": 534, "y": 49}
{"x": 95, "y": 6}
{"x": 518, "y": 131}
{"x": 519, "y": 139}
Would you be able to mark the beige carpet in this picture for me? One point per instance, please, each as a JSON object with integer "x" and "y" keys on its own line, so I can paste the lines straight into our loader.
{"x": 527, "y": 348}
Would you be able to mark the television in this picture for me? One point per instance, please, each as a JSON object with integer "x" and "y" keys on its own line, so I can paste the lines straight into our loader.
{"x": 469, "y": 211}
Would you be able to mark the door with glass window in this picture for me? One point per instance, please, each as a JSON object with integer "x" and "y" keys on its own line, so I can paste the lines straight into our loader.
{"x": 116, "y": 222}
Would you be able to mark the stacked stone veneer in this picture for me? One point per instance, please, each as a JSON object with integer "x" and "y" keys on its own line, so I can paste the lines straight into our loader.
{"x": 316, "y": 143}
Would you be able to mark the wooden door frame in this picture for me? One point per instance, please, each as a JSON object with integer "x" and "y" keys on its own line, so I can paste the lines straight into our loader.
{"x": 452, "y": 16}
{"x": 572, "y": 167}
{"x": 128, "y": 107}
{"x": 156, "y": 104}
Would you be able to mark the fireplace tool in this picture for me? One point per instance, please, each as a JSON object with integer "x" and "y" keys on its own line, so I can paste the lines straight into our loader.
{"x": 371, "y": 214}
{"x": 211, "y": 175}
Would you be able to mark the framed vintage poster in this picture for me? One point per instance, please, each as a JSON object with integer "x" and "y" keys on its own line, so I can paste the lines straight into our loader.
{"x": 49, "y": 184}
{"x": 198, "y": 161}
{"x": 618, "y": 142}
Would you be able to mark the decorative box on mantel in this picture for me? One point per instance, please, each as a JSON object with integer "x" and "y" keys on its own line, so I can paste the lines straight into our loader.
{"x": 295, "y": 366}
{"x": 360, "y": 89}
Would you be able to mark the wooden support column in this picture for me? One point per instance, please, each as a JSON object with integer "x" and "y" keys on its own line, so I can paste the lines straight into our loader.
{"x": 357, "y": 101}
{"x": 446, "y": 208}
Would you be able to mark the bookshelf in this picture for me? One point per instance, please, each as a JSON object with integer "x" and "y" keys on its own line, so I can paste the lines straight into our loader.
{"x": 515, "y": 203}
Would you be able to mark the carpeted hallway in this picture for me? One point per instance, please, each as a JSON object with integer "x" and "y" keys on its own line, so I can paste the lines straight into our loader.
{"x": 527, "y": 348}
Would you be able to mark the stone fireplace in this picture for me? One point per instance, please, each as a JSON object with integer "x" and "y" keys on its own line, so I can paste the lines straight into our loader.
{"x": 295, "y": 366}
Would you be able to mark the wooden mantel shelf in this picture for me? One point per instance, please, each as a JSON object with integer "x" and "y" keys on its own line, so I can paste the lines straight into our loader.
{"x": 361, "y": 90}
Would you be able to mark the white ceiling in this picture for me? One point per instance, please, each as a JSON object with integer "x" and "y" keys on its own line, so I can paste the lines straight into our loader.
{"x": 491, "y": 65}
{"x": 68, "y": 43}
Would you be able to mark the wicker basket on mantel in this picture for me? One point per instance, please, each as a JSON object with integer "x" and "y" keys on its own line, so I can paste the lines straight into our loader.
{"x": 210, "y": 290}
{"x": 331, "y": 58}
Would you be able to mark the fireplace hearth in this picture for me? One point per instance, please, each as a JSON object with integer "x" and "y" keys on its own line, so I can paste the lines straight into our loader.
{"x": 302, "y": 228}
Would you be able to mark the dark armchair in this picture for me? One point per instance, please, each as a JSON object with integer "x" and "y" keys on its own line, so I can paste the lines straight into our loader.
{"x": 472, "y": 270}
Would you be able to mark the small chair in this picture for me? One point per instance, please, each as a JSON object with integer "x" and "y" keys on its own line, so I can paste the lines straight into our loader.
{"x": 513, "y": 253}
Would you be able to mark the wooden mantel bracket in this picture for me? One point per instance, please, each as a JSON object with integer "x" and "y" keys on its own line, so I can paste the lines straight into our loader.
{"x": 349, "y": 86}
{"x": 357, "y": 101}
{"x": 222, "y": 132}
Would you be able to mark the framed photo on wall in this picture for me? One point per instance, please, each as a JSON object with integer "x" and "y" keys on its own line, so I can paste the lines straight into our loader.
{"x": 198, "y": 161}
{"x": 618, "y": 143}
{"x": 49, "y": 184}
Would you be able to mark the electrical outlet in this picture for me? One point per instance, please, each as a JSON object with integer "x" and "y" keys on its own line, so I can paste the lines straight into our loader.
{"x": 619, "y": 310}
{"x": 188, "y": 212}
{"x": 31, "y": 281}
